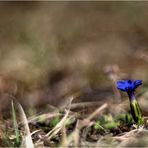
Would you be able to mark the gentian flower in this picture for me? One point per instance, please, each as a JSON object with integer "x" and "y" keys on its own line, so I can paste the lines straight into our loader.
{"x": 130, "y": 87}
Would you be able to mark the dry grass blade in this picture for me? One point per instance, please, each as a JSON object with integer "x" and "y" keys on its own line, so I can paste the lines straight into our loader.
{"x": 43, "y": 116}
{"x": 74, "y": 136}
{"x": 60, "y": 125}
{"x": 27, "y": 141}
{"x": 64, "y": 137}
{"x": 96, "y": 112}
{"x": 129, "y": 136}
{"x": 36, "y": 131}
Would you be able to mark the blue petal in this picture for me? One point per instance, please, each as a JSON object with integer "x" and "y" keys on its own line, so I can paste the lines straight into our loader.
{"x": 128, "y": 82}
{"x": 121, "y": 87}
{"x": 120, "y": 83}
{"x": 128, "y": 85}
{"x": 137, "y": 83}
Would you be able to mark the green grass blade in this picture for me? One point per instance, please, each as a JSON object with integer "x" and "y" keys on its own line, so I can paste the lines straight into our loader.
{"x": 15, "y": 125}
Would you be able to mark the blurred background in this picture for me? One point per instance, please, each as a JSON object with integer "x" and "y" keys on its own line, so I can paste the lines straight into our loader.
{"x": 50, "y": 50}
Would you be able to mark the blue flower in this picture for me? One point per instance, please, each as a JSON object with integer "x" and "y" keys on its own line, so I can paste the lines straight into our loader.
{"x": 128, "y": 85}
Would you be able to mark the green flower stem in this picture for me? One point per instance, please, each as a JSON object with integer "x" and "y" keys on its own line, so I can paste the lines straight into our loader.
{"x": 136, "y": 112}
